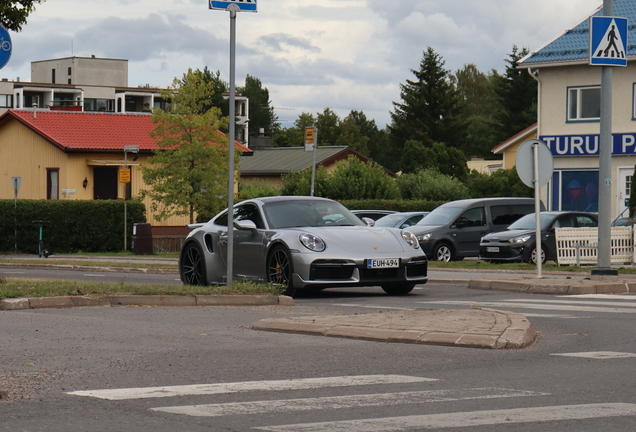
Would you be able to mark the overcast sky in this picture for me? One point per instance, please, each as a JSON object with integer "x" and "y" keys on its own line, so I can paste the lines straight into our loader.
{"x": 310, "y": 54}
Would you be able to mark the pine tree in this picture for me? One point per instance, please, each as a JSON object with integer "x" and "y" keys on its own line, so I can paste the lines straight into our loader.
{"x": 429, "y": 110}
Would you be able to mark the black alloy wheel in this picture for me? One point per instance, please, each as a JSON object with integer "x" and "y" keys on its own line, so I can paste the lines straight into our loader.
{"x": 191, "y": 266}
{"x": 279, "y": 270}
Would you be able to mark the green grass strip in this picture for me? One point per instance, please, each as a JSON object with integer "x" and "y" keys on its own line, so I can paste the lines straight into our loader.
{"x": 18, "y": 288}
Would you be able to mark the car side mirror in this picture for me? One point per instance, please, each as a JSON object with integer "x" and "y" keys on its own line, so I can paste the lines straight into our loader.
{"x": 461, "y": 223}
{"x": 245, "y": 225}
{"x": 370, "y": 222}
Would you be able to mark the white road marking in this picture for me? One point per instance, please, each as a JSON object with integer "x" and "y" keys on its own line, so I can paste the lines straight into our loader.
{"x": 601, "y": 355}
{"x": 538, "y": 315}
{"x": 343, "y": 402}
{"x": 578, "y": 302}
{"x": 542, "y": 306}
{"x": 94, "y": 275}
{"x": 602, "y": 296}
{"x": 206, "y": 389}
{"x": 370, "y": 306}
{"x": 13, "y": 272}
{"x": 466, "y": 419}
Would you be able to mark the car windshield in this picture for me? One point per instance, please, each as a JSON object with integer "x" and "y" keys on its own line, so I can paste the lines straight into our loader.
{"x": 441, "y": 216}
{"x": 389, "y": 220}
{"x": 308, "y": 213}
{"x": 528, "y": 222}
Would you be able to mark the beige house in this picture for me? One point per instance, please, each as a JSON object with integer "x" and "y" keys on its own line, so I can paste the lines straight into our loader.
{"x": 78, "y": 156}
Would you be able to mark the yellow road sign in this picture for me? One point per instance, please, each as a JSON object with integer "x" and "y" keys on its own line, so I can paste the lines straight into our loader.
{"x": 310, "y": 135}
{"x": 124, "y": 175}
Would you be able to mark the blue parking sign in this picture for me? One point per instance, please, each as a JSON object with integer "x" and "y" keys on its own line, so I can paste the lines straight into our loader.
{"x": 5, "y": 46}
{"x": 243, "y": 5}
{"x": 608, "y": 41}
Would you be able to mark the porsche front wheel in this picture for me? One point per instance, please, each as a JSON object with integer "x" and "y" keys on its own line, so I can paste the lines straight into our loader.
{"x": 191, "y": 265}
{"x": 279, "y": 270}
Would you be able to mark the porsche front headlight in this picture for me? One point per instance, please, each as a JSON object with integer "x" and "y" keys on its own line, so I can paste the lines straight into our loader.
{"x": 410, "y": 238}
{"x": 312, "y": 242}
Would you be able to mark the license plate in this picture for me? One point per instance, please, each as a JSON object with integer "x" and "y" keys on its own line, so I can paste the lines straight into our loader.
{"x": 383, "y": 263}
{"x": 492, "y": 249}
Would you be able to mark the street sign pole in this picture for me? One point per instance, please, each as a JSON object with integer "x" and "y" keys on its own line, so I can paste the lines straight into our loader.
{"x": 537, "y": 207}
{"x": 230, "y": 185}
{"x": 232, "y": 7}
{"x": 16, "y": 186}
{"x": 604, "y": 252}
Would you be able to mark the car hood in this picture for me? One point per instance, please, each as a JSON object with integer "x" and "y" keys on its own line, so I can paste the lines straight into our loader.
{"x": 507, "y": 235}
{"x": 357, "y": 239}
{"x": 424, "y": 229}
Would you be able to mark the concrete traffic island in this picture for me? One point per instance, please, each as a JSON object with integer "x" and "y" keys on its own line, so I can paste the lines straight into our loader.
{"x": 559, "y": 286}
{"x": 472, "y": 328}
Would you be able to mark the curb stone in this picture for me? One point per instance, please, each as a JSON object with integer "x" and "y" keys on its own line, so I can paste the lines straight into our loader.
{"x": 153, "y": 300}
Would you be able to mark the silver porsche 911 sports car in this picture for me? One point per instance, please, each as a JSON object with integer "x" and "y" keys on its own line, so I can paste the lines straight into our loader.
{"x": 303, "y": 242}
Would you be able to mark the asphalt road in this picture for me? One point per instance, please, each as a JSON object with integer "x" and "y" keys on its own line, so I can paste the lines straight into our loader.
{"x": 217, "y": 374}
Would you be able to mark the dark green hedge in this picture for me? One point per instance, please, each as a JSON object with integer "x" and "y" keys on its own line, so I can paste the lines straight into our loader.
{"x": 395, "y": 205}
{"x": 72, "y": 226}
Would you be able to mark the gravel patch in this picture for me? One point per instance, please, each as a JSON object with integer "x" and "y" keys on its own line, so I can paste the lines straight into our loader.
{"x": 29, "y": 385}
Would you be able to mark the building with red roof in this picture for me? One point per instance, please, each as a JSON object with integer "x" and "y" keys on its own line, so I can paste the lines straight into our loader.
{"x": 77, "y": 156}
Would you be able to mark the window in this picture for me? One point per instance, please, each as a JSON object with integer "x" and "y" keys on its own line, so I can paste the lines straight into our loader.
{"x": 507, "y": 214}
{"x": 584, "y": 103}
{"x": 6, "y": 101}
{"x": 52, "y": 183}
{"x": 53, "y": 76}
{"x": 472, "y": 217}
{"x": 69, "y": 70}
{"x": 249, "y": 212}
{"x": 106, "y": 105}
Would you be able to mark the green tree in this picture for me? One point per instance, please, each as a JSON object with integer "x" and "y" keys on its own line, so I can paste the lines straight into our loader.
{"x": 447, "y": 160}
{"x": 429, "y": 184}
{"x": 299, "y": 182}
{"x": 220, "y": 87}
{"x": 188, "y": 172}
{"x": 429, "y": 110}
{"x": 351, "y": 135}
{"x": 327, "y": 123}
{"x": 355, "y": 179}
{"x": 479, "y": 108}
{"x": 261, "y": 113}
{"x": 517, "y": 92}
{"x": 14, "y": 14}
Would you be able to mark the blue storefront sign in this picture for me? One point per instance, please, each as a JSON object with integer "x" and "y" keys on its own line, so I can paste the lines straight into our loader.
{"x": 588, "y": 145}
{"x": 5, "y": 46}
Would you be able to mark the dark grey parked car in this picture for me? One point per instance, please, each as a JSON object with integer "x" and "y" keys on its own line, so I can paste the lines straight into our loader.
{"x": 400, "y": 219}
{"x": 518, "y": 242}
{"x": 453, "y": 230}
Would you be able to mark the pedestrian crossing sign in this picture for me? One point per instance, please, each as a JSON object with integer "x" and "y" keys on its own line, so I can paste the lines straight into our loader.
{"x": 608, "y": 41}
{"x": 243, "y": 5}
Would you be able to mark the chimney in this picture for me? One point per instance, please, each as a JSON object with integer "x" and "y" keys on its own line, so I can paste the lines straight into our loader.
{"x": 35, "y": 110}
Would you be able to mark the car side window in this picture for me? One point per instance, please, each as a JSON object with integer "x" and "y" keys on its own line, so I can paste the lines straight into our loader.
{"x": 221, "y": 220}
{"x": 585, "y": 221}
{"x": 412, "y": 221}
{"x": 564, "y": 222}
{"x": 249, "y": 212}
{"x": 472, "y": 218}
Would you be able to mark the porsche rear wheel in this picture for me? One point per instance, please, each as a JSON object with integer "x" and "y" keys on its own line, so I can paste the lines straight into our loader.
{"x": 398, "y": 288}
{"x": 191, "y": 265}
{"x": 279, "y": 270}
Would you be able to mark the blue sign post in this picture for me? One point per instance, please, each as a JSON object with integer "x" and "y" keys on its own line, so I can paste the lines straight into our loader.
{"x": 608, "y": 41}
{"x": 243, "y": 5}
{"x": 232, "y": 7}
{"x": 5, "y": 46}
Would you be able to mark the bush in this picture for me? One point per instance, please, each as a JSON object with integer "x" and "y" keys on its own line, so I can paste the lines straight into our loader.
{"x": 430, "y": 185}
{"x": 71, "y": 226}
{"x": 395, "y": 205}
{"x": 501, "y": 183}
{"x": 257, "y": 189}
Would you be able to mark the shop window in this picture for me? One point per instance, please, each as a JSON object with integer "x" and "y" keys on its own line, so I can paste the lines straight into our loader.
{"x": 584, "y": 103}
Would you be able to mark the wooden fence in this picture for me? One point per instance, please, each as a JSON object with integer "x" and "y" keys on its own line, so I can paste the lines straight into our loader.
{"x": 580, "y": 245}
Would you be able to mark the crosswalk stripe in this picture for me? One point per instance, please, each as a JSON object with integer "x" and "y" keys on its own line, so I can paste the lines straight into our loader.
{"x": 542, "y": 306}
{"x": 343, "y": 402}
{"x": 206, "y": 389}
{"x": 465, "y": 419}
